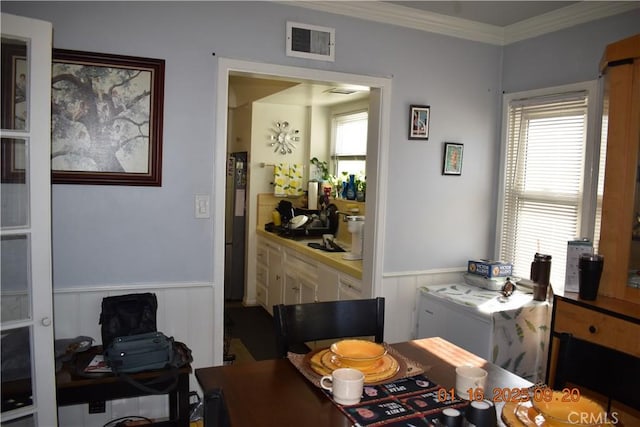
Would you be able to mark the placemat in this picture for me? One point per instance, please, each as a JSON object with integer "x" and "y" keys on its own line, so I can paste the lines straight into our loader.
{"x": 408, "y": 367}
{"x": 411, "y": 401}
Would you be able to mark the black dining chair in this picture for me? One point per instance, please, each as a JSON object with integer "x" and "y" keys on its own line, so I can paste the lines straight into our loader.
{"x": 296, "y": 324}
{"x": 608, "y": 372}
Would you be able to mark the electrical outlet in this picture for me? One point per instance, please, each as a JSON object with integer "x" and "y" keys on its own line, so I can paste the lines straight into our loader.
{"x": 98, "y": 407}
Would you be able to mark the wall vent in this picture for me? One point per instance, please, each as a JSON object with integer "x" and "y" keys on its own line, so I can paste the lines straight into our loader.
{"x": 310, "y": 41}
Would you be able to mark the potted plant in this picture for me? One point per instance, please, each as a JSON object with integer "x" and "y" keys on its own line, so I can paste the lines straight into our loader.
{"x": 322, "y": 169}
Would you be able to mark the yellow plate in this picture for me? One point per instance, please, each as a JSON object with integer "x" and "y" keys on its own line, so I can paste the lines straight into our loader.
{"x": 522, "y": 414}
{"x": 386, "y": 368}
{"x": 567, "y": 410}
{"x": 358, "y": 352}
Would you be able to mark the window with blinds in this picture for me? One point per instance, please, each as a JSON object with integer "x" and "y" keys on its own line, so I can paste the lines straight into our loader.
{"x": 547, "y": 181}
{"x": 350, "y": 143}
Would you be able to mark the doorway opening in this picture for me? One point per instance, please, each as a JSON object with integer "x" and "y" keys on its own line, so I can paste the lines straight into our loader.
{"x": 234, "y": 75}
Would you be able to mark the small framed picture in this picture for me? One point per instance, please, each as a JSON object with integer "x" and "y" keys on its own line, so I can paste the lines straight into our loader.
{"x": 419, "y": 122}
{"x": 452, "y": 159}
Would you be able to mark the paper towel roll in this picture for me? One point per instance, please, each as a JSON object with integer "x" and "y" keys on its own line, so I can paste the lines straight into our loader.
{"x": 313, "y": 195}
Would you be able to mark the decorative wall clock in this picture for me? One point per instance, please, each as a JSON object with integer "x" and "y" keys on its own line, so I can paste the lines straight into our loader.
{"x": 284, "y": 138}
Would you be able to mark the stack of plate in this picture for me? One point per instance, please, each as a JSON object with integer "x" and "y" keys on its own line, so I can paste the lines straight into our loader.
{"x": 366, "y": 356}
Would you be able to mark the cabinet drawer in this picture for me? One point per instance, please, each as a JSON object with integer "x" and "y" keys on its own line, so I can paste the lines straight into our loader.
{"x": 261, "y": 254}
{"x": 261, "y": 274}
{"x": 351, "y": 283}
{"x": 598, "y": 328}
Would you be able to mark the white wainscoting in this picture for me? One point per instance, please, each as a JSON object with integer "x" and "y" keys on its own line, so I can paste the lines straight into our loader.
{"x": 401, "y": 292}
{"x": 185, "y": 312}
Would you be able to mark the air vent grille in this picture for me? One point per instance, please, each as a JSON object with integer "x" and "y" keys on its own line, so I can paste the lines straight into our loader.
{"x": 310, "y": 41}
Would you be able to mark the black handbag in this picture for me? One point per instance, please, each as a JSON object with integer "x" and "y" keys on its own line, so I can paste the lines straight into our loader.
{"x": 124, "y": 315}
{"x": 137, "y": 353}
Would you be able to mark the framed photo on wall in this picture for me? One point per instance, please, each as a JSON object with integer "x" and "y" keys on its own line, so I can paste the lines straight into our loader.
{"x": 14, "y": 83}
{"x": 419, "y": 116}
{"x": 106, "y": 119}
{"x": 452, "y": 159}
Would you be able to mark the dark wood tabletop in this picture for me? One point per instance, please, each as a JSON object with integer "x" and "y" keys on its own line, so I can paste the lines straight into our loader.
{"x": 275, "y": 393}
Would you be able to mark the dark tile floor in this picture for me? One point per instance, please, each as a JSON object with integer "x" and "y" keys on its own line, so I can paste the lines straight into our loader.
{"x": 254, "y": 327}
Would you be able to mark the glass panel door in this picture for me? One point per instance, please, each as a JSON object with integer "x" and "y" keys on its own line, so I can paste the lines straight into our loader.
{"x": 26, "y": 319}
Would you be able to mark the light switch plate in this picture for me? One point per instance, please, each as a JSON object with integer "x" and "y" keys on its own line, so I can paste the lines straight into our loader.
{"x": 202, "y": 205}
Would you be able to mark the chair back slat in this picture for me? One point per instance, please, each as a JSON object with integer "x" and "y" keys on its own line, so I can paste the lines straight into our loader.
{"x": 300, "y": 323}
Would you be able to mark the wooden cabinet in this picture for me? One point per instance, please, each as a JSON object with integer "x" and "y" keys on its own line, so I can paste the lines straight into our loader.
{"x": 609, "y": 327}
{"x": 621, "y": 70}
{"x": 595, "y": 347}
{"x": 587, "y": 323}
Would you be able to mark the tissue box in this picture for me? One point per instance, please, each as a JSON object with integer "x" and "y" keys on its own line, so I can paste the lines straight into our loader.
{"x": 489, "y": 268}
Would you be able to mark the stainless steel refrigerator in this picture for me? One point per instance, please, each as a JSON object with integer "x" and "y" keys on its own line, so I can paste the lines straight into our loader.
{"x": 236, "y": 207}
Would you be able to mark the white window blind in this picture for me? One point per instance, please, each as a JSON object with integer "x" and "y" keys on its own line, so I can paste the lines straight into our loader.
{"x": 350, "y": 134}
{"x": 544, "y": 172}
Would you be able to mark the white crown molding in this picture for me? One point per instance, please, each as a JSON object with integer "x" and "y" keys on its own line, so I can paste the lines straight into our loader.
{"x": 566, "y": 17}
{"x": 388, "y": 13}
{"x": 410, "y": 18}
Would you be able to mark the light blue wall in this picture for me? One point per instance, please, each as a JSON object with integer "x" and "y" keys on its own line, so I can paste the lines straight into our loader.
{"x": 562, "y": 57}
{"x": 113, "y": 234}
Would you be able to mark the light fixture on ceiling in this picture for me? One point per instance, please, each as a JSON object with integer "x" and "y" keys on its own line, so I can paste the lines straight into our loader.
{"x": 283, "y": 138}
{"x": 341, "y": 91}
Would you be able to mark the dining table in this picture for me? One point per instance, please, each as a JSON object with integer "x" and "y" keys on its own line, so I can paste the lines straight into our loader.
{"x": 276, "y": 393}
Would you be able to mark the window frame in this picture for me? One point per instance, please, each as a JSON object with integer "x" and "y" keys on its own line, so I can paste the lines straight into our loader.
{"x": 591, "y": 201}
{"x": 335, "y": 158}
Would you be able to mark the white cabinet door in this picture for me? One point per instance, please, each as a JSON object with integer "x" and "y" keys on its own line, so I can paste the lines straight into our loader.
{"x": 308, "y": 289}
{"x": 291, "y": 287}
{"x": 275, "y": 281}
{"x": 349, "y": 288}
{"x": 26, "y": 285}
{"x": 328, "y": 280}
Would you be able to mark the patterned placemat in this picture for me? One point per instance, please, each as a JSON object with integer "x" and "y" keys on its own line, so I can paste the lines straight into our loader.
{"x": 408, "y": 367}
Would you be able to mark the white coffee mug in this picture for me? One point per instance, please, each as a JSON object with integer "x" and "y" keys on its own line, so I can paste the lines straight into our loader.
{"x": 469, "y": 379}
{"x": 345, "y": 385}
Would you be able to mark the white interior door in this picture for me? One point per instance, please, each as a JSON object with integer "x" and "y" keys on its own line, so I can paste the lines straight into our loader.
{"x": 28, "y": 368}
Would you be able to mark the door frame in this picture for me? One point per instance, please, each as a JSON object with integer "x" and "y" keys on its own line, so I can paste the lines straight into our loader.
{"x": 377, "y": 160}
{"x": 38, "y": 36}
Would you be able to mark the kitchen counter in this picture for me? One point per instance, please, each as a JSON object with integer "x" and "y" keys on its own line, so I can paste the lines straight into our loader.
{"x": 332, "y": 259}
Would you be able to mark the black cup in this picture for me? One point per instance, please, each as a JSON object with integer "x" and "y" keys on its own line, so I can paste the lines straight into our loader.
{"x": 540, "y": 292}
{"x": 589, "y": 272}
{"x": 481, "y": 413}
{"x": 451, "y": 417}
{"x": 540, "y": 274}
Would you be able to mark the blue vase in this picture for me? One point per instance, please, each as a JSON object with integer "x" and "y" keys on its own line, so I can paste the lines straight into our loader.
{"x": 351, "y": 188}
{"x": 344, "y": 189}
